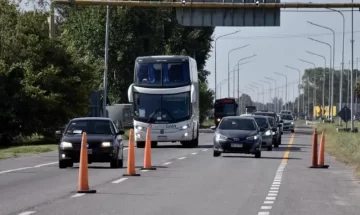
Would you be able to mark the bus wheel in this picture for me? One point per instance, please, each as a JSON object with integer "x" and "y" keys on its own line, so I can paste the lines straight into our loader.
{"x": 140, "y": 144}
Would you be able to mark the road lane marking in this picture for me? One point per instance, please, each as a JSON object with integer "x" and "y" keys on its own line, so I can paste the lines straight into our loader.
{"x": 27, "y": 212}
{"x": 167, "y": 163}
{"x": 204, "y": 150}
{"x": 194, "y": 153}
{"x": 119, "y": 180}
{"x": 181, "y": 158}
{"x": 273, "y": 192}
{"x": 46, "y": 164}
{"x": 14, "y": 170}
{"x": 77, "y": 195}
{"x": 144, "y": 170}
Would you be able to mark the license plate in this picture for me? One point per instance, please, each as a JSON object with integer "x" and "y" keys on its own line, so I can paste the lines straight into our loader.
{"x": 162, "y": 137}
{"x": 89, "y": 151}
{"x": 234, "y": 145}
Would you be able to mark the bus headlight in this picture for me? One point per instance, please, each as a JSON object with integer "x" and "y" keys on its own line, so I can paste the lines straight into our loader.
{"x": 139, "y": 127}
{"x": 185, "y": 127}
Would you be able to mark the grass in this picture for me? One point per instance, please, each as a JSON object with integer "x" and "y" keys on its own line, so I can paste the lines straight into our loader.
{"x": 34, "y": 144}
{"x": 207, "y": 123}
{"x": 343, "y": 145}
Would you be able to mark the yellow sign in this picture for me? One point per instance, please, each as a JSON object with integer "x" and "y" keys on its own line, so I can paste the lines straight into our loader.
{"x": 326, "y": 110}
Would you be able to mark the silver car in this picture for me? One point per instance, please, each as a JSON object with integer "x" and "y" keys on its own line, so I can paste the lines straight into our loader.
{"x": 288, "y": 122}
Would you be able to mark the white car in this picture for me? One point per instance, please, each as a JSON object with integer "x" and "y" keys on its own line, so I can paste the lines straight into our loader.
{"x": 288, "y": 122}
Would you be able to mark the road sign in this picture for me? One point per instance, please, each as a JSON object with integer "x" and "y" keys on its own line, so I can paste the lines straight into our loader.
{"x": 345, "y": 114}
{"x": 253, "y": 17}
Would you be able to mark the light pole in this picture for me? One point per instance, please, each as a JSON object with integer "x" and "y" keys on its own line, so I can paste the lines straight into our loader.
{"x": 263, "y": 93}
{"x": 314, "y": 90}
{"x": 298, "y": 106}
{"x": 229, "y": 64}
{"x": 106, "y": 59}
{"x": 238, "y": 79}
{"x": 352, "y": 68}
{"x": 286, "y": 83}
{"x": 251, "y": 85}
{"x": 220, "y": 85}
{"x": 356, "y": 79}
{"x": 342, "y": 62}
{"x": 331, "y": 77}
{"x": 275, "y": 94}
{"x": 215, "y": 53}
{"x": 323, "y": 86}
{"x": 269, "y": 89}
{"x": 238, "y": 71}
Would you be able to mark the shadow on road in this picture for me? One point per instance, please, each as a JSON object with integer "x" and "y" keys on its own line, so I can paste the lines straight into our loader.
{"x": 291, "y": 149}
{"x": 271, "y": 158}
{"x": 180, "y": 146}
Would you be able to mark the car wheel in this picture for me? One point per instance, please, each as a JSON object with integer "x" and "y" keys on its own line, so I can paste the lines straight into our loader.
{"x": 258, "y": 154}
{"x": 276, "y": 145}
{"x": 216, "y": 153}
{"x": 63, "y": 164}
{"x": 114, "y": 163}
{"x": 269, "y": 148}
{"x": 140, "y": 144}
{"x": 292, "y": 131}
{"x": 154, "y": 144}
{"x": 71, "y": 164}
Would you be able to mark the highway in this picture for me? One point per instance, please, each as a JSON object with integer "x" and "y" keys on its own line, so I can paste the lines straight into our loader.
{"x": 188, "y": 181}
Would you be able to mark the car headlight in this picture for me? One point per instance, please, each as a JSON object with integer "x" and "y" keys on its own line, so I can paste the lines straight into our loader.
{"x": 65, "y": 145}
{"x": 185, "y": 127}
{"x": 268, "y": 133}
{"x": 292, "y": 123}
{"x": 106, "y": 144}
{"x": 218, "y": 119}
{"x": 139, "y": 127}
{"x": 253, "y": 137}
{"x": 273, "y": 133}
{"x": 220, "y": 138}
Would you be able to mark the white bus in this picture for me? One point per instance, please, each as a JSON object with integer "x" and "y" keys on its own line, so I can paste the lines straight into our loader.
{"x": 165, "y": 94}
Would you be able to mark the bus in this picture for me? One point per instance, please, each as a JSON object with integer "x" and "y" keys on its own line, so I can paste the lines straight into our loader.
{"x": 224, "y": 107}
{"x": 165, "y": 95}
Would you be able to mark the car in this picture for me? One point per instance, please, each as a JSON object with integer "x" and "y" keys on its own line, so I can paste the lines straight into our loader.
{"x": 288, "y": 120}
{"x": 266, "y": 132}
{"x": 276, "y": 134}
{"x": 236, "y": 134}
{"x": 278, "y": 123}
{"x": 104, "y": 142}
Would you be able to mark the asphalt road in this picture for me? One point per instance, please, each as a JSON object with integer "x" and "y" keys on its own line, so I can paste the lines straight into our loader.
{"x": 191, "y": 181}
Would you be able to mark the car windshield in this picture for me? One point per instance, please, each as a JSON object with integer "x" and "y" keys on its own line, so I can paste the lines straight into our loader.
{"x": 90, "y": 127}
{"x": 225, "y": 110}
{"x": 286, "y": 117}
{"x": 262, "y": 122}
{"x": 162, "y": 108}
{"x": 237, "y": 124}
{"x": 271, "y": 121}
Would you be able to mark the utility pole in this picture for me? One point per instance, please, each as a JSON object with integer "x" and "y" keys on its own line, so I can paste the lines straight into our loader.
{"x": 106, "y": 59}
{"x": 352, "y": 68}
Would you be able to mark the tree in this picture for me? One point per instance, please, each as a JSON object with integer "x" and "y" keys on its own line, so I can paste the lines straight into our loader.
{"x": 206, "y": 100}
{"x": 245, "y": 100}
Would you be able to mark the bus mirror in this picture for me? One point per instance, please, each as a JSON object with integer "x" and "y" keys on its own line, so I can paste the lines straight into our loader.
{"x": 130, "y": 93}
{"x": 193, "y": 94}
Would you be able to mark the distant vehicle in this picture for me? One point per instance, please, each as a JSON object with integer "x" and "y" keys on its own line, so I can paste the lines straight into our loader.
{"x": 250, "y": 109}
{"x": 277, "y": 125}
{"x": 267, "y": 131}
{"x": 286, "y": 112}
{"x": 275, "y": 129}
{"x": 237, "y": 134}
{"x": 165, "y": 95}
{"x": 104, "y": 142}
{"x": 288, "y": 122}
{"x": 122, "y": 115}
{"x": 224, "y": 107}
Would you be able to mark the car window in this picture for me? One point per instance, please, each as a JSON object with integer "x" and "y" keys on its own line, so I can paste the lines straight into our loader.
{"x": 91, "y": 127}
{"x": 262, "y": 122}
{"x": 271, "y": 121}
{"x": 286, "y": 117}
{"x": 237, "y": 124}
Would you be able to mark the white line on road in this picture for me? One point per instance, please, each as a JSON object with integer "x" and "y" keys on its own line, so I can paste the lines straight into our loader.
{"x": 46, "y": 164}
{"x": 144, "y": 170}
{"x": 264, "y": 213}
{"x": 268, "y": 202}
{"x": 28, "y": 167}
{"x": 272, "y": 194}
{"x": 273, "y": 191}
{"x": 194, "y": 153}
{"x": 77, "y": 195}
{"x": 181, "y": 158}
{"x": 270, "y": 198}
{"x": 27, "y": 212}
{"x": 167, "y": 163}
{"x": 204, "y": 150}
{"x": 266, "y": 207}
{"x": 119, "y": 180}
{"x": 274, "y": 188}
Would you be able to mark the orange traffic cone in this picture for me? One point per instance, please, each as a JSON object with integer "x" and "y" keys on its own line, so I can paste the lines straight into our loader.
{"x": 147, "y": 153}
{"x": 314, "y": 150}
{"x": 131, "y": 156}
{"x": 83, "y": 185}
{"x": 322, "y": 152}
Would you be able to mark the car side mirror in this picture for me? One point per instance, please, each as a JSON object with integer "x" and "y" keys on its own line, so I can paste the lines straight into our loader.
{"x": 121, "y": 132}
{"x": 58, "y": 134}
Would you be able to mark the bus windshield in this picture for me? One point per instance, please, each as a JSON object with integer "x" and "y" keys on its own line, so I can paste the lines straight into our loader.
{"x": 162, "y": 74}
{"x": 155, "y": 108}
{"x": 225, "y": 109}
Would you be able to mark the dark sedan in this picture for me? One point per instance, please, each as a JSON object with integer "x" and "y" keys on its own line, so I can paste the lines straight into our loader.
{"x": 104, "y": 142}
{"x": 236, "y": 134}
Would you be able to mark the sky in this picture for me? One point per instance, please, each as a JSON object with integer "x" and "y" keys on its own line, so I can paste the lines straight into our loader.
{"x": 276, "y": 47}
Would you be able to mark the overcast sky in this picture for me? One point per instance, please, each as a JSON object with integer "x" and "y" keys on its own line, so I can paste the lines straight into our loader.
{"x": 277, "y": 46}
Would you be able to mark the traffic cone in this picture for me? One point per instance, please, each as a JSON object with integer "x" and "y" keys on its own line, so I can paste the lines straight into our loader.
{"x": 322, "y": 152}
{"x": 147, "y": 153}
{"x": 131, "y": 156}
{"x": 314, "y": 150}
{"x": 83, "y": 185}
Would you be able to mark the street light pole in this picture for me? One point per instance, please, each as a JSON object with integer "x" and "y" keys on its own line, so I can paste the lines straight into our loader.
{"x": 331, "y": 71}
{"x": 106, "y": 59}
{"x": 352, "y": 68}
{"x": 298, "y": 89}
{"x": 215, "y": 53}
{"x": 229, "y": 64}
{"x": 269, "y": 89}
{"x": 262, "y": 93}
{"x": 257, "y": 94}
{"x": 238, "y": 78}
{"x": 323, "y": 87}
{"x": 285, "y": 86}
{"x": 275, "y": 94}
{"x": 314, "y": 90}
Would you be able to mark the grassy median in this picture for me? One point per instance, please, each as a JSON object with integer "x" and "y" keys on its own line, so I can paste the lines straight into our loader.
{"x": 28, "y": 145}
{"x": 345, "y": 146}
